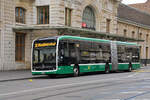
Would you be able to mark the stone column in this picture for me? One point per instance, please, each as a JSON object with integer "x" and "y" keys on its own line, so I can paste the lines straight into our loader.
{"x": 57, "y": 10}
{"x": 2, "y": 34}
{"x": 8, "y": 36}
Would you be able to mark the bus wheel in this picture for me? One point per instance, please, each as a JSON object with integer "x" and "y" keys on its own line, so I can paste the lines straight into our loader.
{"x": 76, "y": 71}
{"x": 107, "y": 69}
{"x": 130, "y": 67}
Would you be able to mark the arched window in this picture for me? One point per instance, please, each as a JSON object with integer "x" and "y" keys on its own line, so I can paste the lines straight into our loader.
{"x": 20, "y": 15}
{"x": 88, "y": 18}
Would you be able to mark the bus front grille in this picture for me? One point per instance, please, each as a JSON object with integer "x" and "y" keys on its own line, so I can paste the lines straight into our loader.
{"x": 44, "y": 68}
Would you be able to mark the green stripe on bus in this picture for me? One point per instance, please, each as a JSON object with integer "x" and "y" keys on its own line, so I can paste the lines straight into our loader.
{"x": 136, "y": 66}
{"x": 126, "y": 66}
{"x": 87, "y": 68}
{"x": 65, "y": 70}
{"x": 92, "y": 68}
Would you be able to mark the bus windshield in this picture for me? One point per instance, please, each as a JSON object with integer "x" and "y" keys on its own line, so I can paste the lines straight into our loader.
{"x": 44, "y": 55}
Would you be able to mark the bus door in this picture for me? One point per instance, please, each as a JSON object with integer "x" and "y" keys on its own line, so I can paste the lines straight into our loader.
{"x": 63, "y": 53}
{"x": 68, "y": 53}
{"x": 114, "y": 57}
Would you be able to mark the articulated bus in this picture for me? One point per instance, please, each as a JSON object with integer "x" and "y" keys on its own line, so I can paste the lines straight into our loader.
{"x": 75, "y": 55}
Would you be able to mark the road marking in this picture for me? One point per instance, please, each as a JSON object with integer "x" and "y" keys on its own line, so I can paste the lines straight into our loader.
{"x": 141, "y": 71}
{"x": 138, "y": 95}
{"x": 30, "y": 80}
{"x": 133, "y": 92}
{"x": 133, "y": 75}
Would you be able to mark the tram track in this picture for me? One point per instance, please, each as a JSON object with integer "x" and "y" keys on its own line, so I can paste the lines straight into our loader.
{"x": 64, "y": 89}
{"x": 41, "y": 77}
{"x": 77, "y": 87}
{"x": 82, "y": 88}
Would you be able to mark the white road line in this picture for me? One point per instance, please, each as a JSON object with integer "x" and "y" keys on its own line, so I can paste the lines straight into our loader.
{"x": 133, "y": 92}
{"x": 133, "y": 75}
{"x": 58, "y": 86}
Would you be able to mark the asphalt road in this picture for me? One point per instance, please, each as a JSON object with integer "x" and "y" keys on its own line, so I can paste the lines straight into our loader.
{"x": 114, "y": 86}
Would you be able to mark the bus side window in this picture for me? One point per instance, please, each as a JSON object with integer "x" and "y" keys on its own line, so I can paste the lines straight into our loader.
{"x": 72, "y": 50}
{"x": 135, "y": 54}
{"x": 124, "y": 54}
{"x": 72, "y": 53}
{"x": 106, "y": 56}
{"x": 129, "y": 54}
{"x": 85, "y": 52}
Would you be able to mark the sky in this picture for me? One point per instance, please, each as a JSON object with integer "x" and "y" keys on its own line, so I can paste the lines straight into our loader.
{"x": 133, "y": 1}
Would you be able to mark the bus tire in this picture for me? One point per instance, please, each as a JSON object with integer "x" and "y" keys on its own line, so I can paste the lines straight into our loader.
{"x": 76, "y": 71}
{"x": 130, "y": 67}
{"x": 107, "y": 69}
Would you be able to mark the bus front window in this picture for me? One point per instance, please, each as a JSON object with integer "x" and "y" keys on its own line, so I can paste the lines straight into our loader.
{"x": 44, "y": 58}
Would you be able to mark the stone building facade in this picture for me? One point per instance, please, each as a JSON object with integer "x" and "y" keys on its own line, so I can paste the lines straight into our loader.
{"x": 22, "y": 21}
{"x": 135, "y": 23}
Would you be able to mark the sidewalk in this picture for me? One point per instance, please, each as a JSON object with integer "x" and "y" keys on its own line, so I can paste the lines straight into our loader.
{"x": 16, "y": 75}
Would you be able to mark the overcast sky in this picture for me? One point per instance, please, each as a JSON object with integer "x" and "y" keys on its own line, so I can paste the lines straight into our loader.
{"x": 133, "y": 1}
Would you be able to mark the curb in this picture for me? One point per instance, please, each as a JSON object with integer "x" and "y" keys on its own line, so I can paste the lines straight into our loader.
{"x": 17, "y": 79}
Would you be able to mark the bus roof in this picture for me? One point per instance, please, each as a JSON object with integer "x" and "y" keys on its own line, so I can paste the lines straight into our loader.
{"x": 96, "y": 40}
{"x": 83, "y": 38}
{"x": 87, "y": 39}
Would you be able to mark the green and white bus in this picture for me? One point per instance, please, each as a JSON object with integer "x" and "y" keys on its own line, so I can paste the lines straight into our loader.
{"x": 76, "y": 55}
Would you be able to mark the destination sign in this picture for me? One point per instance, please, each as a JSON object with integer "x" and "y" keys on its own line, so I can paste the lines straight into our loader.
{"x": 44, "y": 44}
